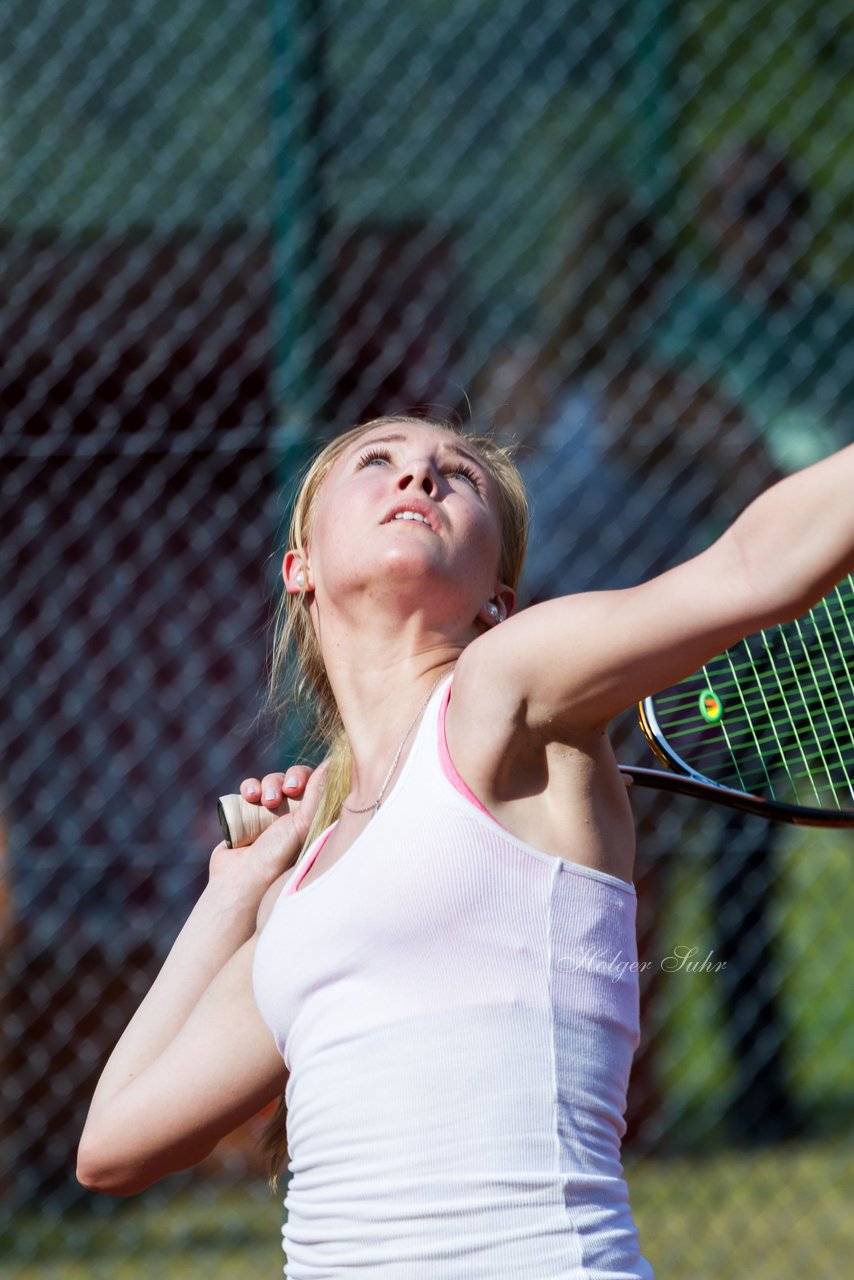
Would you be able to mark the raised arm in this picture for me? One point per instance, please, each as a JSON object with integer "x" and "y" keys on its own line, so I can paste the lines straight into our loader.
{"x": 196, "y": 1060}
{"x": 575, "y": 662}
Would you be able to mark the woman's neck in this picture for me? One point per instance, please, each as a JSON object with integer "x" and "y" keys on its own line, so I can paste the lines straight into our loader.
{"x": 378, "y": 698}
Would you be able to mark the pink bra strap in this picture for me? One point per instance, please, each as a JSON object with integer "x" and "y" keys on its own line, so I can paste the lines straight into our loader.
{"x": 447, "y": 763}
{"x": 308, "y": 862}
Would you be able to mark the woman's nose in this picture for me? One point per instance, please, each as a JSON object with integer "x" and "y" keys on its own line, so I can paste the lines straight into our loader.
{"x": 419, "y": 474}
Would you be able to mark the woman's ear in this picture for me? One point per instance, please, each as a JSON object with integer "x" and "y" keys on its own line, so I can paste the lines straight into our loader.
{"x": 296, "y": 573}
{"x": 500, "y": 605}
{"x": 505, "y": 598}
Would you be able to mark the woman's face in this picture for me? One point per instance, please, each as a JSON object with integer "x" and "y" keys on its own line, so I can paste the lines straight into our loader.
{"x": 411, "y": 512}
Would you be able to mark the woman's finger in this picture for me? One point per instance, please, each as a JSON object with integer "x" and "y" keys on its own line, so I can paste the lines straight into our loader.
{"x": 274, "y": 787}
{"x": 288, "y": 786}
{"x": 303, "y": 813}
{"x": 296, "y": 779}
{"x": 271, "y": 789}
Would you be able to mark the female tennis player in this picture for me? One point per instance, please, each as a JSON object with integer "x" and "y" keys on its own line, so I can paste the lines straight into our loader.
{"x": 434, "y": 950}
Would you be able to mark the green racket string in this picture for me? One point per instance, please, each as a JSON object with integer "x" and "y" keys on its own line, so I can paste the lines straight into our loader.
{"x": 820, "y": 693}
{"x": 837, "y": 692}
{"x": 809, "y": 773}
{"x": 788, "y": 709}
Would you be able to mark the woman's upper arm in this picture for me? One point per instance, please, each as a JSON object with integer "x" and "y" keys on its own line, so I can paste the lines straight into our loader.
{"x": 220, "y": 1069}
{"x": 577, "y": 661}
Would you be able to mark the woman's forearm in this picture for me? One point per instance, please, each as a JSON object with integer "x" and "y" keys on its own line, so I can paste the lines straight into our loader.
{"x": 796, "y": 540}
{"x": 196, "y": 1061}
{"x": 221, "y": 921}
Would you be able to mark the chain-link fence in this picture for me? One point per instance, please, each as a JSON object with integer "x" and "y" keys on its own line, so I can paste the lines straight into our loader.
{"x": 622, "y": 233}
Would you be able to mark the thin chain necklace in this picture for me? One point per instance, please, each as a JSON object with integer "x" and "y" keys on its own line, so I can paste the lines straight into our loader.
{"x": 376, "y": 804}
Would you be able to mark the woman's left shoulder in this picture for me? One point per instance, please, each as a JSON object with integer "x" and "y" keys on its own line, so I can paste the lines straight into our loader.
{"x": 487, "y": 724}
{"x": 479, "y": 693}
{"x": 557, "y": 789}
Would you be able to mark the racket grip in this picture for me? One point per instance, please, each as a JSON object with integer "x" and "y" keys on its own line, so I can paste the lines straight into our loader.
{"x": 242, "y": 822}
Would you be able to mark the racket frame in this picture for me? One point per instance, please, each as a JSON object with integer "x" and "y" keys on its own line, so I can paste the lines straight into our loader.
{"x": 682, "y": 778}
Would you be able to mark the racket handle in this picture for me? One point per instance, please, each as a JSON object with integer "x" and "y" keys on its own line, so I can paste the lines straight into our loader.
{"x": 242, "y": 822}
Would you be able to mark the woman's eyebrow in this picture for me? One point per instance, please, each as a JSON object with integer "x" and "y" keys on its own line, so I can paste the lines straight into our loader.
{"x": 363, "y": 443}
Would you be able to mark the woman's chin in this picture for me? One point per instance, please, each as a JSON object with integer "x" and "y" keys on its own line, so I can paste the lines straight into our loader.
{"x": 406, "y": 577}
{"x": 416, "y": 562}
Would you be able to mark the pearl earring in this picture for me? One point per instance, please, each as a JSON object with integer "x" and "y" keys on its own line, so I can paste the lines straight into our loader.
{"x": 492, "y": 610}
{"x": 300, "y": 579}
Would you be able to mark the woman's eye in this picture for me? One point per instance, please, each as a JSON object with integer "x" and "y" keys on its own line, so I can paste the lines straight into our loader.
{"x": 467, "y": 474}
{"x": 371, "y": 456}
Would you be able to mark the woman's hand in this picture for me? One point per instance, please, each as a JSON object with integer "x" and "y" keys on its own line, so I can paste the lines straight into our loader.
{"x": 295, "y": 794}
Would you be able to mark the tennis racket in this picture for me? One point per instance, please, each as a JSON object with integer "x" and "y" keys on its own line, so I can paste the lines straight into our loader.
{"x": 766, "y": 727}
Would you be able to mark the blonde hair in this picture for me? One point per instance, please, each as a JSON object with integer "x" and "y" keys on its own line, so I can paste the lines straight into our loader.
{"x": 294, "y": 637}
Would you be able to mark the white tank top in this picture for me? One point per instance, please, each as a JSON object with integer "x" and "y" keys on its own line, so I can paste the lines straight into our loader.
{"x": 458, "y": 1013}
